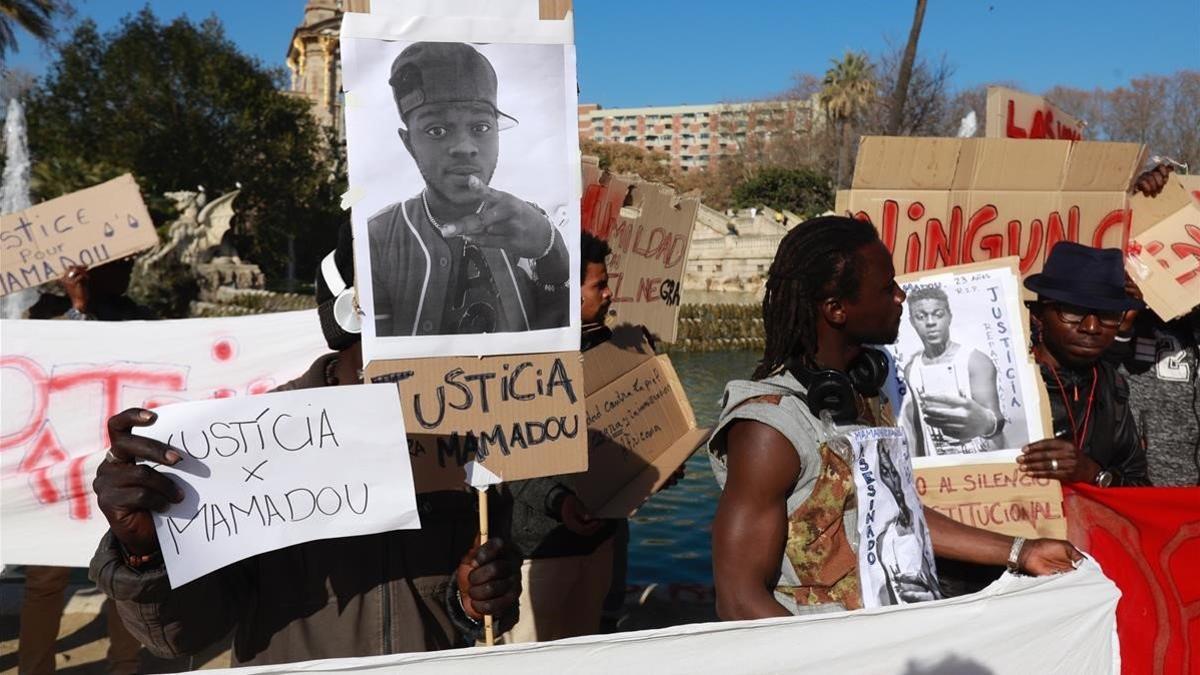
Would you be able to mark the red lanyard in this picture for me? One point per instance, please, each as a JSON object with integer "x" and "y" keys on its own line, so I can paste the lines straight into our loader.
{"x": 1078, "y": 435}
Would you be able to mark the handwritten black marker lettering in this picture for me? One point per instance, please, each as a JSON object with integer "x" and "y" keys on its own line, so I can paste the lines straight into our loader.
{"x": 321, "y": 506}
{"x": 216, "y": 513}
{"x": 278, "y": 441}
{"x": 326, "y": 430}
{"x": 559, "y": 378}
{"x": 212, "y": 428}
{"x": 173, "y": 529}
{"x": 253, "y": 473}
{"x": 365, "y": 499}
{"x": 482, "y": 379}
{"x": 312, "y": 507}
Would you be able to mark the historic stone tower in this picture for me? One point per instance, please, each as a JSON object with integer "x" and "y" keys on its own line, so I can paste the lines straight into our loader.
{"x": 315, "y": 61}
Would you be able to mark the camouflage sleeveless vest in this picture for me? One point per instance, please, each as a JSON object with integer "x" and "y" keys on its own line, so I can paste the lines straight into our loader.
{"x": 818, "y": 545}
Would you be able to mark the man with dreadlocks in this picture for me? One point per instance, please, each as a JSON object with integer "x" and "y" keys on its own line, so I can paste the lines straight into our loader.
{"x": 788, "y": 493}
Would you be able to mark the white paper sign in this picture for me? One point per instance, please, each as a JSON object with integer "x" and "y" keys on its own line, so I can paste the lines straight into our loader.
{"x": 895, "y": 554}
{"x": 416, "y": 168}
{"x": 266, "y": 472}
{"x": 963, "y": 339}
{"x": 61, "y": 380}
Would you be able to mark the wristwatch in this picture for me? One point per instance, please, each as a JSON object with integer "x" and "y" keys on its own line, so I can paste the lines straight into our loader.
{"x": 1104, "y": 478}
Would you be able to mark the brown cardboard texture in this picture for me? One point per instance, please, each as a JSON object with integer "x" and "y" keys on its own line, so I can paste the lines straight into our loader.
{"x": 1016, "y": 114}
{"x": 1150, "y": 211}
{"x": 939, "y": 202}
{"x": 996, "y": 497}
{"x": 641, "y": 429}
{"x": 1164, "y": 261}
{"x": 627, "y": 349}
{"x": 90, "y": 227}
{"x": 518, "y": 416}
{"x": 649, "y": 229}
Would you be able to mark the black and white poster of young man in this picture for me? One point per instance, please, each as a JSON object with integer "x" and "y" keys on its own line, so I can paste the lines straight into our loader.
{"x": 463, "y": 151}
{"x": 969, "y": 385}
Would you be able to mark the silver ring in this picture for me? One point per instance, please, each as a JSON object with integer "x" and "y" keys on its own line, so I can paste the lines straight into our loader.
{"x": 1054, "y": 464}
{"x": 110, "y": 458}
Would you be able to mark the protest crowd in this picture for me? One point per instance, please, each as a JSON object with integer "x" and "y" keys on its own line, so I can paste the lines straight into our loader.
{"x": 505, "y": 412}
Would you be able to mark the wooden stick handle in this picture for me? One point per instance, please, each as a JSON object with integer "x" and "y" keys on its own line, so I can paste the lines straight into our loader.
{"x": 489, "y": 637}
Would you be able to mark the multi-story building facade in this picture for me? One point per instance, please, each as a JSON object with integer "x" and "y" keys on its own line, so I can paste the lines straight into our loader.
{"x": 696, "y": 136}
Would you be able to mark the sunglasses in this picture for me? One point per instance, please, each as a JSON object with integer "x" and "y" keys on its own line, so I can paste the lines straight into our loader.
{"x": 1074, "y": 314}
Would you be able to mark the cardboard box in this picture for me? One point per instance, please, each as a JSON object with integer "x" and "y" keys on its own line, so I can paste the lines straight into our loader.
{"x": 939, "y": 202}
{"x": 1016, "y": 114}
{"x": 516, "y": 416}
{"x": 641, "y": 428}
{"x": 649, "y": 230}
{"x": 90, "y": 227}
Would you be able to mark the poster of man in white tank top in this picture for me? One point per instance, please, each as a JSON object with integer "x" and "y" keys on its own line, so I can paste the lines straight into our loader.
{"x": 895, "y": 552}
{"x": 967, "y": 382}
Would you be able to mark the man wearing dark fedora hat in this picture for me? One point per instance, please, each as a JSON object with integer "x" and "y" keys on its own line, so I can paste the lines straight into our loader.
{"x": 1080, "y": 306}
{"x": 461, "y": 256}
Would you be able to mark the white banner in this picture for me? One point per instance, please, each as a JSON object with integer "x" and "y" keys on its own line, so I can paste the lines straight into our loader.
{"x": 61, "y": 380}
{"x": 1063, "y": 624}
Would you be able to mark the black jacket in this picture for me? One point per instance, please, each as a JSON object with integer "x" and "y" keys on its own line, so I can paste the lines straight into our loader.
{"x": 1111, "y": 436}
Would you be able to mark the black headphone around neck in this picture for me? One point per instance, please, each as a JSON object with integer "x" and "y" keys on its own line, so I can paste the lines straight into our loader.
{"x": 834, "y": 390}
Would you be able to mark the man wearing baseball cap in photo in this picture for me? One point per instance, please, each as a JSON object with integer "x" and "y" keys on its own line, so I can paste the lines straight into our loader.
{"x": 460, "y": 257}
{"x": 1081, "y": 303}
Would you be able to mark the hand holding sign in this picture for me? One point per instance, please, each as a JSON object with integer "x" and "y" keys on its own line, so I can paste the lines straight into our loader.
{"x": 127, "y": 492}
{"x": 264, "y": 472}
{"x": 505, "y": 221}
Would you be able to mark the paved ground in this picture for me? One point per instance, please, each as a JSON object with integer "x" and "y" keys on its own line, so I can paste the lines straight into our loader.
{"x": 82, "y": 641}
{"x": 82, "y": 637}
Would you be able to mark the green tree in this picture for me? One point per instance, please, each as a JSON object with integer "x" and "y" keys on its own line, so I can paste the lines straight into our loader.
{"x": 801, "y": 191}
{"x": 35, "y": 17}
{"x": 847, "y": 90}
{"x": 179, "y": 106}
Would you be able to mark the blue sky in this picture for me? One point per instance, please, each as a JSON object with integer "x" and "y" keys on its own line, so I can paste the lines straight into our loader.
{"x": 666, "y": 52}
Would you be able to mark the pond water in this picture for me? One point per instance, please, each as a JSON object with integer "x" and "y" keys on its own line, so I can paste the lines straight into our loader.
{"x": 670, "y": 538}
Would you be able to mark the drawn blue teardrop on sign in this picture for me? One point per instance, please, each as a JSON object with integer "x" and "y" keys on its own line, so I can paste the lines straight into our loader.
{"x": 108, "y": 230}
{"x": 133, "y": 222}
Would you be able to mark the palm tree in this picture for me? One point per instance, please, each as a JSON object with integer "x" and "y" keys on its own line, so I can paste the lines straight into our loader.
{"x": 900, "y": 95}
{"x": 36, "y": 17}
{"x": 848, "y": 88}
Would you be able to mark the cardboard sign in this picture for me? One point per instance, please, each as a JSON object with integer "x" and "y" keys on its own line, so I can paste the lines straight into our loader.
{"x": 939, "y": 202}
{"x": 1015, "y": 114}
{"x": 61, "y": 380}
{"x": 1179, "y": 191}
{"x": 89, "y": 227}
{"x": 649, "y": 240}
{"x": 1164, "y": 261}
{"x": 641, "y": 429}
{"x": 997, "y": 496}
{"x": 515, "y": 416}
{"x": 265, "y": 472}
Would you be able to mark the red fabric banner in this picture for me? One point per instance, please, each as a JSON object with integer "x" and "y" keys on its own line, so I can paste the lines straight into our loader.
{"x": 1147, "y": 540}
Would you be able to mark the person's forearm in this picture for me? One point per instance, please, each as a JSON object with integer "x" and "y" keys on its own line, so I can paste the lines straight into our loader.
{"x": 956, "y": 541}
{"x": 747, "y": 604}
